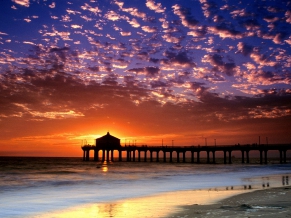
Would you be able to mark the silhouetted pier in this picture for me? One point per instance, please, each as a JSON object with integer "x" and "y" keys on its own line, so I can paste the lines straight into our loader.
{"x": 108, "y": 144}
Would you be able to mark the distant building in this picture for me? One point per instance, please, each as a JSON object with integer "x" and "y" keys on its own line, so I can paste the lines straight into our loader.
{"x": 108, "y": 142}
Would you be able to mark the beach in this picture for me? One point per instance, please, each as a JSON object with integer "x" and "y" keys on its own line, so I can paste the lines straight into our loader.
{"x": 271, "y": 202}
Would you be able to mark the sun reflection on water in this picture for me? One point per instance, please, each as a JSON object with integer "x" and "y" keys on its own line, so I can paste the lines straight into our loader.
{"x": 105, "y": 167}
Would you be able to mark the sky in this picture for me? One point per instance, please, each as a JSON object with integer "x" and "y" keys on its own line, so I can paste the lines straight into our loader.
{"x": 175, "y": 72}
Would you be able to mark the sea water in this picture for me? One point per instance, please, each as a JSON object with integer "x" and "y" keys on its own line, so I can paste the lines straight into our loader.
{"x": 31, "y": 187}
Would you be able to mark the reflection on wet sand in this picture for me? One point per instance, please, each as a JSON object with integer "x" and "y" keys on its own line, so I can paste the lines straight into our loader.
{"x": 153, "y": 206}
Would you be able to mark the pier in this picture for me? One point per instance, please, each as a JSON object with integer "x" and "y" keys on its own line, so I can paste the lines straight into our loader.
{"x": 107, "y": 144}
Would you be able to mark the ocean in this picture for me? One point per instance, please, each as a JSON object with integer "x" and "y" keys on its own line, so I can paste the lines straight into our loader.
{"x": 51, "y": 187}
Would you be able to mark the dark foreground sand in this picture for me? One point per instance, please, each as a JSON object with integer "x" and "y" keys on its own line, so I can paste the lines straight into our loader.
{"x": 270, "y": 203}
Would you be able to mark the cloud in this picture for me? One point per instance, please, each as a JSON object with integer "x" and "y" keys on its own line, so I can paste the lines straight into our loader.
{"x": 75, "y": 26}
{"x": 149, "y": 29}
{"x": 52, "y": 5}
{"x": 199, "y": 32}
{"x": 152, "y": 71}
{"x": 251, "y": 24}
{"x": 133, "y": 23}
{"x": 288, "y": 40}
{"x": 262, "y": 77}
{"x": 225, "y": 31}
{"x": 74, "y": 12}
{"x": 180, "y": 59}
{"x": 182, "y": 77}
{"x": 94, "y": 10}
{"x": 155, "y": 7}
{"x": 270, "y": 18}
{"x": 125, "y": 33}
{"x": 279, "y": 37}
{"x": 27, "y": 20}
{"x": 198, "y": 88}
{"x": 244, "y": 48}
{"x": 208, "y": 7}
{"x": 158, "y": 84}
{"x": 30, "y": 43}
{"x": 94, "y": 69}
{"x": 148, "y": 71}
{"x": 288, "y": 16}
{"x": 120, "y": 63}
{"x": 112, "y": 15}
{"x": 22, "y": 2}
{"x": 185, "y": 16}
{"x": 110, "y": 80}
{"x": 132, "y": 11}
{"x": 172, "y": 39}
{"x": 219, "y": 65}
{"x": 262, "y": 59}
{"x": 56, "y": 115}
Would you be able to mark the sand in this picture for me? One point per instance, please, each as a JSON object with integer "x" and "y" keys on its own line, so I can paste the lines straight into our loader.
{"x": 271, "y": 202}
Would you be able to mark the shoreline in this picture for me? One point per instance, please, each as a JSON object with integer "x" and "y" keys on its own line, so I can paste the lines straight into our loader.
{"x": 268, "y": 202}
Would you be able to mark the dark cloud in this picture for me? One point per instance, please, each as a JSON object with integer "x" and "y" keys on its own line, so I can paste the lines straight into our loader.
{"x": 245, "y": 49}
{"x": 143, "y": 55}
{"x": 111, "y": 79}
{"x": 186, "y": 17}
{"x": 94, "y": 69}
{"x": 251, "y": 24}
{"x": 152, "y": 71}
{"x": 225, "y": 30}
{"x": 154, "y": 60}
{"x": 180, "y": 58}
{"x": 157, "y": 84}
{"x": 209, "y": 8}
{"x": 275, "y": 92}
{"x": 182, "y": 77}
{"x": 149, "y": 71}
{"x": 219, "y": 65}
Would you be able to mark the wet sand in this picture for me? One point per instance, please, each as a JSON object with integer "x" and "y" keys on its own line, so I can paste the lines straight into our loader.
{"x": 154, "y": 206}
{"x": 270, "y": 203}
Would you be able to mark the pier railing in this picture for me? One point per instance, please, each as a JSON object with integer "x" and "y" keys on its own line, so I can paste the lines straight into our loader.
{"x": 238, "y": 146}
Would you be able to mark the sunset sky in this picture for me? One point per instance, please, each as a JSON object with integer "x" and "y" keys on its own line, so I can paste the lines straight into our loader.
{"x": 144, "y": 70}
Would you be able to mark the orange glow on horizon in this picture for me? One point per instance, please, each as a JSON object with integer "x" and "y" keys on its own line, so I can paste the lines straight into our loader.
{"x": 66, "y": 140}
